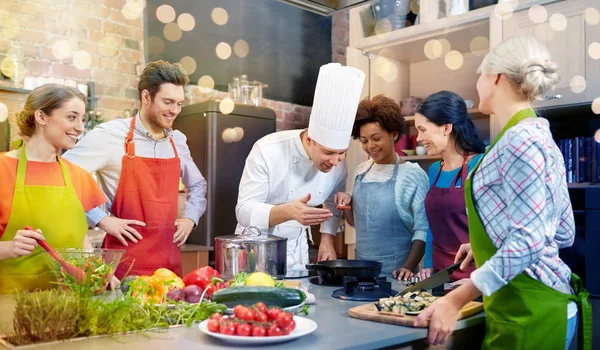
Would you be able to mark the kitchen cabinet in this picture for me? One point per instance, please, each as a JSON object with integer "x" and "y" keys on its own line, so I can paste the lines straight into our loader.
{"x": 193, "y": 257}
{"x": 569, "y": 47}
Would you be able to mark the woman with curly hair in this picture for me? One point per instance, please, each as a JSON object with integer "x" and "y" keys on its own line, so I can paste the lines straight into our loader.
{"x": 387, "y": 207}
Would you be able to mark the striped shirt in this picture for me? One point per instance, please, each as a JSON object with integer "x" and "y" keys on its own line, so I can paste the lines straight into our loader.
{"x": 520, "y": 193}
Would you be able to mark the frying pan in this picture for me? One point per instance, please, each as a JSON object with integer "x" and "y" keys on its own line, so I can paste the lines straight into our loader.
{"x": 335, "y": 270}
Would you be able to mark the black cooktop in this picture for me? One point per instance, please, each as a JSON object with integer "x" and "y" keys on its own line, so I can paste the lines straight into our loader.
{"x": 353, "y": 289}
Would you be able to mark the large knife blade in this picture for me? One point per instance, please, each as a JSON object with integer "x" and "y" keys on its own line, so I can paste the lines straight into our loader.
{"x": 434, "y": 280}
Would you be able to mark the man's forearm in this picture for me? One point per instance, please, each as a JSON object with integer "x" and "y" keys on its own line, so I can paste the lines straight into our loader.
{"x": 279, "y": 214}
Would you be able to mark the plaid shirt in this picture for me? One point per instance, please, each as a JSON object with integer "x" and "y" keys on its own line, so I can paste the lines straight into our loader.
{"x": 520, "y": 193}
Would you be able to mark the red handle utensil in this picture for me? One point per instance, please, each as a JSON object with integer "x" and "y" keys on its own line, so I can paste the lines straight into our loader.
{"x": 74, "y": 271}
{"x": 344, "y": 207}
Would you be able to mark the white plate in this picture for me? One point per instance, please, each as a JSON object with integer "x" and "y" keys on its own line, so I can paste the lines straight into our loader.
{"x": 293, "y": 309}
{"x": 304, "y": 326}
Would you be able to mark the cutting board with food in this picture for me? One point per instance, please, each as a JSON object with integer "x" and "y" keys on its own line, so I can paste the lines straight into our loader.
{"x": 403, "y": 310}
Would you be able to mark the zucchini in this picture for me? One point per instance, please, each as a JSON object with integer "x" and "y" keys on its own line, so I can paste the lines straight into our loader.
{"x": 271, "y": 296}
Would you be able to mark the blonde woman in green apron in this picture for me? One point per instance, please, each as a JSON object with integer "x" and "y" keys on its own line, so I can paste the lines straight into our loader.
{"x": 519, "y": 215}
{"x": 40, "y": 189}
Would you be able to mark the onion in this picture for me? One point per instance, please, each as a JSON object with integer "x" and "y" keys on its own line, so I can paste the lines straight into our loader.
{"x": 192, "y": 293}
{"x": 176, "y": 294}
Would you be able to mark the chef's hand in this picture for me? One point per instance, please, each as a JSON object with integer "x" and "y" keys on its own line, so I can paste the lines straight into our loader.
{"x": 342, "y": 199}
{"x": 121, "y": 229}
{"x": 326, "y": 248}
{"x": 24, "y": 242}
{"x": 184, "y": 227}
{"x": 442, "y": 315}
{"x": 402, "y": 274}
{"x": 308, "y": 216}
{"x": 424, "y": 273}
{"x": 464, "y": 252}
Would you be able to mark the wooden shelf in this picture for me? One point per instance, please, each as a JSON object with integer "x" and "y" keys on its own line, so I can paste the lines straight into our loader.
{"x": 406, "y": 44}
{"x": 474, "y": 113}
{"x": 417, "y": 158}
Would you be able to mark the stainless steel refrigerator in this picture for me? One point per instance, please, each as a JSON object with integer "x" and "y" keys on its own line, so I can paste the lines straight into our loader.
{"x": 220, "y": 144}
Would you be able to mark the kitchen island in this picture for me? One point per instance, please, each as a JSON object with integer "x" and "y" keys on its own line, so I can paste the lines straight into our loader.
{"x": 336, "y": 330}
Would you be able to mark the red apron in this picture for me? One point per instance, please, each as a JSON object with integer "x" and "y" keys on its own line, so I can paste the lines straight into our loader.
{"x": 148, "y": 191}
{"x": 447, "y": 216}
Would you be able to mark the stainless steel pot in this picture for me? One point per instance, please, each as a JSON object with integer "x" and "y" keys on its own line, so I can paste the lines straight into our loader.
{"x": 251, "y": 251}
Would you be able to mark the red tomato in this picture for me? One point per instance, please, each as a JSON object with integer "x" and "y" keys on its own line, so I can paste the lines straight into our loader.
{"x": 274, "y": 330}
{"x": 259, "y": 331}
{"x": 213, "y": 325}
{"x": 244, "y": 330}
{"x": 248, "y": 315}
{"x": 237, "y": 311}
{"x": 260, "y": 306}
{"x": 261, "y": 317}
{"x": 286, "y": 331}
{"x": 273, "y": 313}
{"x": 216, "y": 316}
{"x": 229, "y": 329}
{"x": 292, "y": 325}
{"x": 284, "y": 319}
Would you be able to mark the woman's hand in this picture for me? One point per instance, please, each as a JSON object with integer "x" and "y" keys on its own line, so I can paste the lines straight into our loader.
{"x": 402, "y": 274}
{"x": 424, "y": 273}
{"x": 460, "y": 282}
{"x": 342, "y": 201}
{"x": 441, "y": 315}
{"x": 25, "y": 242}
{"x": 114, "y": 283}
{"x": 464, "y": 252}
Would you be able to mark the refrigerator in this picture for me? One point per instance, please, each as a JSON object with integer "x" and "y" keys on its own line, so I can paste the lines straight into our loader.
{"x": 219, "y": 144}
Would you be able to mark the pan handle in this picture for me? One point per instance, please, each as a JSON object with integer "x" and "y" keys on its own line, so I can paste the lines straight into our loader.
{"x": 321, "y": 268}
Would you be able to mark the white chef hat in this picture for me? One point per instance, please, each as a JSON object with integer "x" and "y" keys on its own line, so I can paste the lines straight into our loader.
{"x": 334, "y": 107}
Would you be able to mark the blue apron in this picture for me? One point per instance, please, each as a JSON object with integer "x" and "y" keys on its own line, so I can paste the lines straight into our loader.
{"x": 381, "y": 235}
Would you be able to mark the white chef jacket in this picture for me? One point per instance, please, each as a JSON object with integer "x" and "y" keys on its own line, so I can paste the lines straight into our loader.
{"x": 279, "y": 171}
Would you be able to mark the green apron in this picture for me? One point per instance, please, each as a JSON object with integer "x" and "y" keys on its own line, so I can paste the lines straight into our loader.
{"x": 57, "y": 211}
{"x": 525, "y": 313}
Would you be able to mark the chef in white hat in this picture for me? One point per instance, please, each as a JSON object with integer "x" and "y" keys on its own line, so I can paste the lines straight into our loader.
{"x": 289, "y": 173}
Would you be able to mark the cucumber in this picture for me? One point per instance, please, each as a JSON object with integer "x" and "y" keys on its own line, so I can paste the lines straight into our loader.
{"x": 271, "y": 296}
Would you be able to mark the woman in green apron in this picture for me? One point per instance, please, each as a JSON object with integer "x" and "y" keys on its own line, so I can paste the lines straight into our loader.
{"x": 519, "y": 215}
{"x": 41, "y": 190}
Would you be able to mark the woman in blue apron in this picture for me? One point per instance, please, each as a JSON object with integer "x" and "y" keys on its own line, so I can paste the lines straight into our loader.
{"x": 446, "y": 130}
{"x": 387, "y": 199}
{"x": 520, "y": 215}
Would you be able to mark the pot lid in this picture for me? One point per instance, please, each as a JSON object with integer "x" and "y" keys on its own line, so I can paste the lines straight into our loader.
{"x": 250, "y": 234}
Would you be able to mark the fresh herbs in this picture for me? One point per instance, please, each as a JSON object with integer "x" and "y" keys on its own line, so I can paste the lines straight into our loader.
{"x": 57, "y": 314}
{"x": 98, "y": 274}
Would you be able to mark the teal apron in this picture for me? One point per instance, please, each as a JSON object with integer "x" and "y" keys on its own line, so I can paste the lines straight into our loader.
{"x": 524, "y": 314}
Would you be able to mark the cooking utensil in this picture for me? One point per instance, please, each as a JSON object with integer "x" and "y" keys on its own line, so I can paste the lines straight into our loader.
{"x": 74, "y": 271}
{"x": 333, "y": 271}
{"x": 249, "y": 252}
{"x": 434, "y": 280}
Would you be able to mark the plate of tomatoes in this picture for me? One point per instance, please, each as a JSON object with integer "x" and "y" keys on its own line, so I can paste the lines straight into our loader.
{"x": 257, "y": 325}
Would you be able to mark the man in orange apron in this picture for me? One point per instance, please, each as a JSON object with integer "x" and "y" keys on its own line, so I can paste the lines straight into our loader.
{"x": 139, "y": 162}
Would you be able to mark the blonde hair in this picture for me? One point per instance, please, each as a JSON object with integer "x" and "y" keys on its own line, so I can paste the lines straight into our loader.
{"x": 527, "y": 64}
{"x": 46, "y": 98}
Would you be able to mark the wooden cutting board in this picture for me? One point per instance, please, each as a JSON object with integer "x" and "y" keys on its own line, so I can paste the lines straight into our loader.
{"x": 367, "y": 312}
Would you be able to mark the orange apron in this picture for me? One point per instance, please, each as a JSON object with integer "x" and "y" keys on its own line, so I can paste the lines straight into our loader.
{"x": 57, "y": 211}
{"x": 148, "y": 191}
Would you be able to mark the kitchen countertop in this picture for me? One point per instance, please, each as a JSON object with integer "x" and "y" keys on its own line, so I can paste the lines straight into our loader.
{"x": 336, "y": 330}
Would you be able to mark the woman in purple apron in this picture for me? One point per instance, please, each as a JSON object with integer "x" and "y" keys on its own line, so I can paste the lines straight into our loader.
{"x": 446, "y": 130}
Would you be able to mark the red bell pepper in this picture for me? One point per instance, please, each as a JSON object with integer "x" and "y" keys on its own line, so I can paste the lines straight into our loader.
{"x": 204, "y": 277}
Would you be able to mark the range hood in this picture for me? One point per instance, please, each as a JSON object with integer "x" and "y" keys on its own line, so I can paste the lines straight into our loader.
{"x": 326, "y": 7}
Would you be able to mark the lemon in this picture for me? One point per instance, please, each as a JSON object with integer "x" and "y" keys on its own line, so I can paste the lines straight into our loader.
{"x": 260, "y": 279}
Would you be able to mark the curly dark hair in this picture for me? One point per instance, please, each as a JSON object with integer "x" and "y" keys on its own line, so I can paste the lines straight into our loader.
{"x": 381, "y": 110}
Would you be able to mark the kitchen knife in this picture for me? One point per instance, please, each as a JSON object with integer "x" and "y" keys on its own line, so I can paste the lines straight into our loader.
{"x": 434, "y": 280}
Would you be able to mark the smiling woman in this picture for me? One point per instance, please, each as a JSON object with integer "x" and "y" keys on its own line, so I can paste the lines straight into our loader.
{"x": 387, "y": 199}
{"x": 38, "y": 187}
